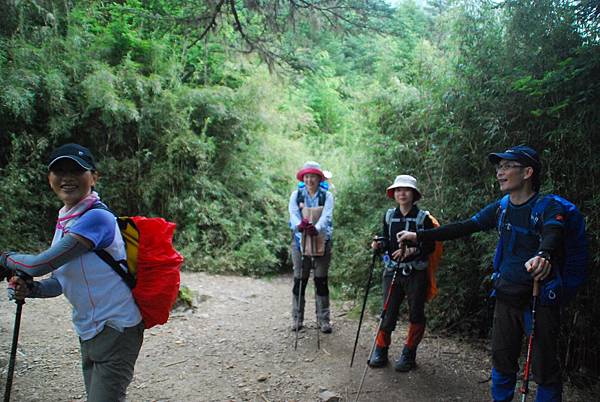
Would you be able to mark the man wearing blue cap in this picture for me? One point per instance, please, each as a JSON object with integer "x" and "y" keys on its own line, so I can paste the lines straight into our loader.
{"x": 521, "y": 258}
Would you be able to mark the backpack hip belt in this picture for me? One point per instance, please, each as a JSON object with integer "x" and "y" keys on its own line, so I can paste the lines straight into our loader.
{"x": 406, "y": 268}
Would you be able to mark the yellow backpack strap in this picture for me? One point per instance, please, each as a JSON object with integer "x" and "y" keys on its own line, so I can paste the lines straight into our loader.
{"x": 131, "y": 237}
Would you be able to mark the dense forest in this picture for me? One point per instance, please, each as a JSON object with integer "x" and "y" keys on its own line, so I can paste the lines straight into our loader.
{"x": 203, "y": 111}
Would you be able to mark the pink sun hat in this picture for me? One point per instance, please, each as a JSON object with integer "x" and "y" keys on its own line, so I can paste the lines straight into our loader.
{"x": 310, "y": 167}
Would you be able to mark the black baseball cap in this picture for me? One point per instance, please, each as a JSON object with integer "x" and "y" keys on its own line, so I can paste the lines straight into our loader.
{"x": 527, "y": 156}
{"x": 76, "y": 152}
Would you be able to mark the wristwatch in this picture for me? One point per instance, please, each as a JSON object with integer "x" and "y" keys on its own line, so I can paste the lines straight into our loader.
{"x": 544, "y": 254}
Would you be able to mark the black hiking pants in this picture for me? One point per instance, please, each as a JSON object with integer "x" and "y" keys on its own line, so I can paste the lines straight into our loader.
{"x": 414, "y": 288}
{"x": 511, "y": 324}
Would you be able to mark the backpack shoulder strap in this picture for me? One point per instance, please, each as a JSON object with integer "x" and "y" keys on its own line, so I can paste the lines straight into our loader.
{"x": 108, "y": 259}
{"x": 101, "y": 205}
{"x": 299, "y": 196}
{"x": 502, "y": 212}
{"x": 117, "y": 267}
{"x": 388, "y": 220}
{"x": 537, "y": 211}
{"x": 421, "y": 219}
{"x": 501, "y": 215}
{"x": 388, "y": 215}
{"x": 322, "y": 197}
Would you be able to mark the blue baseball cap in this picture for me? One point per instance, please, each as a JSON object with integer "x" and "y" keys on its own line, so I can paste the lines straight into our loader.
{"x": 527, "y": 156}
{"x": 75, "y": 152}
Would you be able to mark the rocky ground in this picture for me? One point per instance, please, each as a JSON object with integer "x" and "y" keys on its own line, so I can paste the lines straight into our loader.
{"x": 235, "y": 345}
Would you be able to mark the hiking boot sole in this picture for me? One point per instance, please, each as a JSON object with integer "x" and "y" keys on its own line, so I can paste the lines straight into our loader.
{"x": 405, "y": 368}
{"x": 378, "y": 364}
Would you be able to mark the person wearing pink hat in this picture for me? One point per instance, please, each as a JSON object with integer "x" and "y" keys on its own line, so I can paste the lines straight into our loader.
{"x": 311, "y": 197}
{"x": 411, "y": 279}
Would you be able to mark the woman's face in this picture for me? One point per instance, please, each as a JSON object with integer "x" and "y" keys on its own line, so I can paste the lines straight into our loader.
{"x": 404, "y": 196}
{"x": 71, "y": 182}
{"x": 311, "y": 181}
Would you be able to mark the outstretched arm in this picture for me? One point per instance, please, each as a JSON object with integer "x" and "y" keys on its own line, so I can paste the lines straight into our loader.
{"x": 446, "y": 232}
{"x": 69, "y": 247}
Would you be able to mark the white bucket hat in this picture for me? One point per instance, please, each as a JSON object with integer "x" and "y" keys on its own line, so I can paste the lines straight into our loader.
{"x": 404, "y": 180}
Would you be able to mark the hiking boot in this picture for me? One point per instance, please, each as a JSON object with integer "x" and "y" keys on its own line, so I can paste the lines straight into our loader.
{"x": 406, "y": 361}
{"x": 297, "y": 308}
{"x": 325, "y": 327}
{"x": 322, "y": 310}
{"x": 379, "y": 358}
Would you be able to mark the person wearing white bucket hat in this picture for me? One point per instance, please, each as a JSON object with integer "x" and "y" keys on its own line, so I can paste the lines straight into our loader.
{"x": 407, "y": 181}
{"x": 411, "y": 279}
{"x": 531, "y": 248}
{"x": 311, "y": 222}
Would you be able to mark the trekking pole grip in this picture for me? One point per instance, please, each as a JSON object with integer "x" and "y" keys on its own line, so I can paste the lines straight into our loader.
{"x": 536, "y": 288}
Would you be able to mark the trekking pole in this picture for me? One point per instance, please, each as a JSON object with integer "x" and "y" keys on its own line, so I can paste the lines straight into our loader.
{"x": 15, "y": 340}
{"x": 13, "y": 350}
{"x": 362, "y": 311}
{"x": 300, "y": 291}
{"x": 298, "y": 312}
{"x": 312, "y": 267}
{"x": 381, "y": 317}
{"x": 525, "y": 386}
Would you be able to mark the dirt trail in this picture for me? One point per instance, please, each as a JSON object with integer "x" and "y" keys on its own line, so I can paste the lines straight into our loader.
{"x": 237, "y": 346}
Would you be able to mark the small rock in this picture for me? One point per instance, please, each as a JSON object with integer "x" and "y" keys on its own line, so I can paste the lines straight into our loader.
{"x": 329, "y": 396}
{"x": 262, "y": 377}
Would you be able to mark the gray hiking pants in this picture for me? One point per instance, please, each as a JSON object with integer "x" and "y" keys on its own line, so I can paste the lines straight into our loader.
{"x": 302, "y": 273}
{"x": 108, "y": 360}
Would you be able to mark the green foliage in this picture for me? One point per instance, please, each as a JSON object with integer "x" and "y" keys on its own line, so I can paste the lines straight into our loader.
{"x": 195, "y": 155}
{"x": 185, "y": 298}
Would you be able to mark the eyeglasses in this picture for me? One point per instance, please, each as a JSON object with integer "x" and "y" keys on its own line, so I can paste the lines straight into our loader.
{"x": 504, "y": 168}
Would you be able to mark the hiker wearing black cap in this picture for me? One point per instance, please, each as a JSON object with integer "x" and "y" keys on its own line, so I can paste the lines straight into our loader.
{"x": 311, "y": 222}
{"x": 105, "y": 315}
{"x": 411, "y": 280}
{"x": 522, "y": 258}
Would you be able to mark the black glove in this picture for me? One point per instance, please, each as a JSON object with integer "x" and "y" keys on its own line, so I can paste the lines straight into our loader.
{"x": 15, "y": 280}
